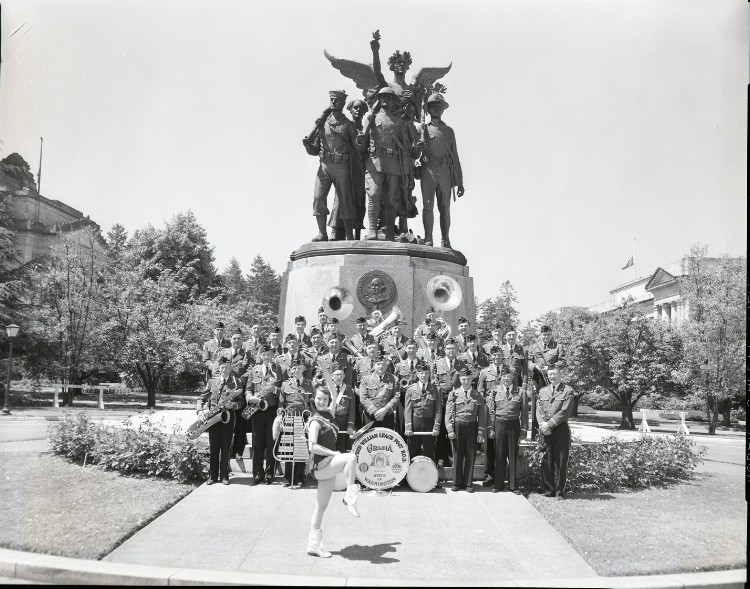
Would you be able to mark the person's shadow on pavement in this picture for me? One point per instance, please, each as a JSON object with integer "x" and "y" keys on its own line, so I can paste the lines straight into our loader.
{"x": 375, "y": 554}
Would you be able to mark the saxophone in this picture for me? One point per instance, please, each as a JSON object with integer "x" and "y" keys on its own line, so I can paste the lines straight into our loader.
{"x": 218, "y": 413}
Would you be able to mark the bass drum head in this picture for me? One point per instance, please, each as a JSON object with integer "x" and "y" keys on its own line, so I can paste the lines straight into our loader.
{"x": 382, "y": 458}
{"x": 422, "y": 475}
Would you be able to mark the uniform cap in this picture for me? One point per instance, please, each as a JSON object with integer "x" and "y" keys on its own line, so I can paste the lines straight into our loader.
{"x": 276, "y": 329}
{"x": 265, "y": 348}
{"x": 546, "y": 329}
{"x": 314, "y": 331}
{"x": 321, "y": 310}
{"x": 333, "y": 320}
{"x": 465, "y": 372}
{"x": 361, "y": 320}
{"x": 337, "y": 93}
{"x": 300, "y": 318}
{"x": 409, "y": 342}
{"x": 496, "y": 350}
{"x": 497, "y": 327}
{"x": 510, "y": 329}
{"x": 290, "y": 337}
{"x": 450, "y": 342}
{"x": 559, "y": 365}
{"x": 218, "y": 325}
{"x": 369, "y": 340}
{"x": 423, "y": 367}
{"x": 463, "y": 320}
{"x": 381, "y": 357}
{"x": 297, "y": 362}
{"x": 471, "y": 338}
{"x": 353, "y": 103}
{"x": 431, "y": 337}
{"x": 335, "y": 367}
{"x": 386, "y": 91}
{"x": 332, "y": 336}
{"x": 430, "y": 309}
{"x": 504, "y": 369}
{"x": 236, "y": 331}
{"x": 437, "y": 99}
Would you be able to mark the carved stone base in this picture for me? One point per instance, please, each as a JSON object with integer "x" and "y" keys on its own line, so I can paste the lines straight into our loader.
{"x": 372, "y": 272}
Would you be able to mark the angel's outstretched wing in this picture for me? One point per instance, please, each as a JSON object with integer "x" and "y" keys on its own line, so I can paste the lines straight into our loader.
{"x": 362, "y": 74}
{"x": 429, "y": 75}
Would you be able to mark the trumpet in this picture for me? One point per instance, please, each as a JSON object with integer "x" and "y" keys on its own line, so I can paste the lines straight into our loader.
{"x": 251, "y": 408}
{"x": 319, "y": 379}
{"x": 404, "y": 382}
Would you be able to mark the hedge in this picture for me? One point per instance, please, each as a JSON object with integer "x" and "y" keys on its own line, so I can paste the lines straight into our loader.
{"x": 143, "y": 450}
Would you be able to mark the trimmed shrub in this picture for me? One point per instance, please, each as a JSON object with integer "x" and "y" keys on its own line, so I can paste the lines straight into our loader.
{"x": 585, "y": 410}
{"x": 143, "y": 450}
{"x": 615, "y": 464}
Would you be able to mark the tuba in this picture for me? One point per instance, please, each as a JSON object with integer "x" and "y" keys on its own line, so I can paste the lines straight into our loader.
{"x": 444, "y": 293}
{"x": 393, "y": 316}
{"x": 338, "y": 302}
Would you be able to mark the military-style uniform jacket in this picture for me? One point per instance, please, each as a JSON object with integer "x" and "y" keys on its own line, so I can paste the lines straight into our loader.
{"x": 544, "y": 355}
{"x": 476, "y": 362}
{"x": 296, "y": 395}
{"x": 423, "y": 403}
{"x": 357, "y": 342}
{"x": 491, "y": 344}
{"x": 339, "y": 137}
{"x": 465, "y": 407}
{"x": 285, "y": 363}
{"x": 507, "y": 404}
{"x": 394, "y": 347}
{"x": 220, "y": 390}
{"x": 365, "y": 367}
{"x": 518, "y": 361}
{"x": 277, "y": 351}
{"x": 488, "y": 378}
{"x": 237, "y": 359}
{"x": 344, "y": 360}
{"x": 251, "y": 347}
{"x": 425, "y": 354}
{"x": 440, "y": 149}
{"x": 555, "y": 404}
{"x": 346, "y": 405}
{"x": 389, "y": 143}
{"x": 376, "y": 393}
{"x": 461, "y": 345}
{"x": 304, "y": 340}
{"x": 211, "y": 347}
{"x": 266, "y": 386}
{"x": 446, "y": 376}
{"x": 313, "y": 353}
{"x": 407, "y": 370}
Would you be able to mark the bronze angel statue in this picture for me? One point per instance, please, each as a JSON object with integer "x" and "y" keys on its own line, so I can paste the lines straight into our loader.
{"x": 369, "y": 78}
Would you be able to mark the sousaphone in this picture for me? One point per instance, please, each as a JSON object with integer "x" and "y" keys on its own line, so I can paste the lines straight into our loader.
{"x": 444, "y": 293}
{"x": 338, "y": 302}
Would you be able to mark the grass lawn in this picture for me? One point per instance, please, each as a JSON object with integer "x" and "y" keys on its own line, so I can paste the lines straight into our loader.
{"x": 56, "y": 507}
{"x": 695, "y": 526}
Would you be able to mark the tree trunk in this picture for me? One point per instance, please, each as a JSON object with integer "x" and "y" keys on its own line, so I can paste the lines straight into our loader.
{"x": 726, "y": 413}
{"x": 151, "y": 401}
{"x": 627, "y": 415}
{"x": 710, "y": 416}
{"x": 575, "y": 405}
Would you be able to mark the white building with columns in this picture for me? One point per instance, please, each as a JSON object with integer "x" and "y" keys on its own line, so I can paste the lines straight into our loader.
{"x": 659, "y": 295}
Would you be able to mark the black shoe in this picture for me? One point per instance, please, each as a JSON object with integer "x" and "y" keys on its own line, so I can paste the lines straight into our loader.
{"x": 256, "y": 481}
{"x": 515, "y": 492}
{"x": 469, "y": 489}
{"x": 286, "y": 484}
{"x": 549, "y": 494}
{"x": 488, "y": 482}
{"x": 496, "y": 490}
{"x": 455, "y": 488}
{"x": 269, "y": 480}
{"x": 211, "y": 482}
{"x": 225, "y": 481}
{"x": 499, "y": 489}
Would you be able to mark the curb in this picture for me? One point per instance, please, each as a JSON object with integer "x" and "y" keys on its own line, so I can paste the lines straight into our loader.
{"x": 29, "y": 566}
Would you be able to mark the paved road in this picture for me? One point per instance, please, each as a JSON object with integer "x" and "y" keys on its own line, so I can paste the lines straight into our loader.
{"x": 18, "y": 435}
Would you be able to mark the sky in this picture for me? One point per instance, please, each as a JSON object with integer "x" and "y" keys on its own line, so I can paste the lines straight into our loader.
{"x": 581, "y": 126}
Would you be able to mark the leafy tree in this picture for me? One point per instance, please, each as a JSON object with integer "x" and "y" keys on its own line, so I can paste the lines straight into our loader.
{"x": 11, "y": 285}
{"x": 117, "y": 238}
{"x": 263, "y": 288}
{"x": 500, "y": 310}
{"x": 66, "y": 309}
{"x": 234, "y": 285}
{"x": 625, "y": 354}
{"x": 181, "y": 247}
{"x": 715, "y": 334}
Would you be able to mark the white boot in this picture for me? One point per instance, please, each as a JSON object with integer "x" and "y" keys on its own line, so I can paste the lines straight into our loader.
{"x": 350, "y": 499}
{"x": 315, "y": 544}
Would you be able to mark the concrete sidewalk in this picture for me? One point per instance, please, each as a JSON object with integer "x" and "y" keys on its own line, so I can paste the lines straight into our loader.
{"x": 402, "y": 537}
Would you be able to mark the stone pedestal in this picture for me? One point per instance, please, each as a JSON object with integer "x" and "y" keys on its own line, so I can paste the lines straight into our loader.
{"x": 384, "y": 273}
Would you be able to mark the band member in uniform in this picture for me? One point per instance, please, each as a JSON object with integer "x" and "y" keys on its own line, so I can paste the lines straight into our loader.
{"x": 336, "y": 356}
{"x": 488, "y": 378}
{"x": 463, "y": 331}
{"x": 252, "y": 343}
{"x": 543, "y": 353}
{"x": 554, "y": 408}
{"x": 300, "y": 324}
{"x": 516, "y": 358}
{"x": 357, "y": 341}
{"x": 284, "y": 361}
{"x": 326, "y": 462}
{"x": 378, "y": 395}
{"x": 237, "y": 357}
{"x": 506, "y": 407}
{"x": 317, "y": 347}
{"x": 223, "y": 383}
{"x": 364, "y": 367}
{"x": 406, "y": 374}
{"x": 322, "y": 320}
{"x": 465, "y": 416}
{"x": 333, "y": 329}
{"x": 431, "y": 354}
{"x": 344, "y": 406}
{"x": 296, "y": 397}
{"x": 394, "y": 343}
{"x": 424, "y": 327}
{"x": 211, "y": 347}
{"x": 264, "y": 382}
{"x": 497, "y": 339}
{"x": 474, "y": 358}
{"x": 422, "y": 414}
{"x": 446, "y": 372}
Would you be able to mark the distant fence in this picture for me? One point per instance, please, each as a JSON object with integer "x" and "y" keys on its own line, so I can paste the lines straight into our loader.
{"x": 58, "y": 388}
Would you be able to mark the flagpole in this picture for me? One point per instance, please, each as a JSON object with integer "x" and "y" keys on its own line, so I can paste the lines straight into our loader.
{"x": 635, "y": 265}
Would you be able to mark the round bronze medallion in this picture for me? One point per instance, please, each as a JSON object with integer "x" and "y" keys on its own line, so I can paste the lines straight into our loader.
{"x": 376, "y": 288}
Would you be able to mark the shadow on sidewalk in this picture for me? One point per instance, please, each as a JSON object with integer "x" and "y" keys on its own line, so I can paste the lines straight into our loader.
{"x": 374, "y": 554}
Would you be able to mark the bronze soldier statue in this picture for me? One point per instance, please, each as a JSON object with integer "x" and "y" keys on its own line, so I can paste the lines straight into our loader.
{"x": 358, "y": 109}
{"x": 334, "y": 141}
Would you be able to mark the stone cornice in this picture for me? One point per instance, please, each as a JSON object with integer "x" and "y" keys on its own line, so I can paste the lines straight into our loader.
{"x": 375, "y": 248}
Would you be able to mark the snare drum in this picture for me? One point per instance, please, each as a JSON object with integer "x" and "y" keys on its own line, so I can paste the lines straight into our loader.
{"x": 422, "y": 475}
{"x": 382, "y": 458}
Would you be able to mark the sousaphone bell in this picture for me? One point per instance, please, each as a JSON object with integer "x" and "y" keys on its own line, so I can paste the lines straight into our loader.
{"x": 338, "y": 302}
{"x": 444, "y": 293}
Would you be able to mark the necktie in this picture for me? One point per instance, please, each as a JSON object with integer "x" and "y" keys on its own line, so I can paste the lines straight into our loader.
{"x": 372, "y": 364}
{"x": 338, "y": 389}
{"x": 299, "y": 384}
{"x": 432, "y": 354}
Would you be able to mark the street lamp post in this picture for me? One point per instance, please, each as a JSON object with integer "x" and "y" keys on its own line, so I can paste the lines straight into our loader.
{"x": 12, "y": 331}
